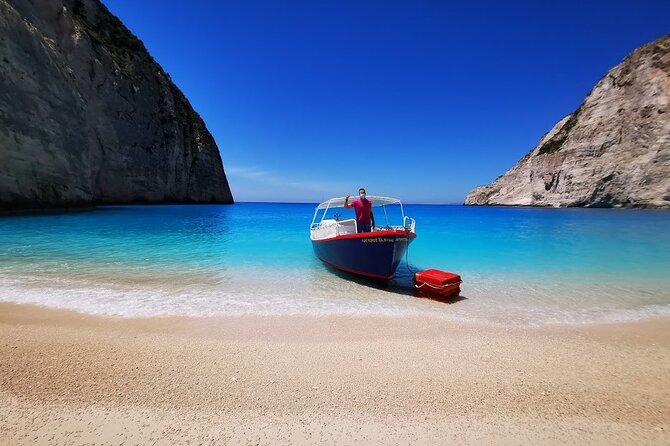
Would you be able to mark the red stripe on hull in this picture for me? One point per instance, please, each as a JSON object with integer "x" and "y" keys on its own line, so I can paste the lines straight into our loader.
{"x": 366, "y": 235}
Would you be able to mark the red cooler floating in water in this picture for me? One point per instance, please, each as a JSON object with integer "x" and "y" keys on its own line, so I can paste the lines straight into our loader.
{"x": 438, "y": 283}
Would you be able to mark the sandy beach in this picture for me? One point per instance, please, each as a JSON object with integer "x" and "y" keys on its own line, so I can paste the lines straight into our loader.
{"x": 69, "y": 378}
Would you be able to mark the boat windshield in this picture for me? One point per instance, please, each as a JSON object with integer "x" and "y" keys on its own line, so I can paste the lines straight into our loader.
{"x": 388, "y": 212}
{"x": 339, "y": 202}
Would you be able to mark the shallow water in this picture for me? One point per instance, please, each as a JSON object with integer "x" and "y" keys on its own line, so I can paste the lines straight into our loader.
{"x": 519, "y": 266}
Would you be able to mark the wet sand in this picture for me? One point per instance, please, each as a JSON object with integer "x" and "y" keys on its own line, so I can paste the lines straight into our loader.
{"x": 68, "y": 378}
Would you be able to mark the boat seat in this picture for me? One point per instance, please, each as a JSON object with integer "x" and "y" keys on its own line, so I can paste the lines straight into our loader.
{"x": 331, "y": 227}
{"x": 346, "y": 226}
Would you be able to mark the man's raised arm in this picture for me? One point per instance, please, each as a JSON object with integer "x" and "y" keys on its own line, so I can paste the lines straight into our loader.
{"x": 346, "y": 201}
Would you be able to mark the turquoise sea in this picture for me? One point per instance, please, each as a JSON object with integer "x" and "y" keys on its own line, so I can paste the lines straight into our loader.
{"x": 520, "y": 266}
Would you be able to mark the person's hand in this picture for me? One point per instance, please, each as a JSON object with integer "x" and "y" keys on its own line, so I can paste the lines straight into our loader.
{"x": 348, "y": 195}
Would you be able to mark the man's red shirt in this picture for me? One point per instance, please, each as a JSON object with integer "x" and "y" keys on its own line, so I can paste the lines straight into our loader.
{"x": 363, "y": 210}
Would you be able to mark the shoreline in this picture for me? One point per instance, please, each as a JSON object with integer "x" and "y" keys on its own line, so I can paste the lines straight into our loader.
{"x": 112, "y": 291}
{"x": 74, "y": 378}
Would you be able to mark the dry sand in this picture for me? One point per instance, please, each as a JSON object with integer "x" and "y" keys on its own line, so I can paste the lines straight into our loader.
{"x": 67, "y": 378}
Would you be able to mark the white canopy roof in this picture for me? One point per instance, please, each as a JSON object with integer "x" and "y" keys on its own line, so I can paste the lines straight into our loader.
{"x": 339, "y": 202}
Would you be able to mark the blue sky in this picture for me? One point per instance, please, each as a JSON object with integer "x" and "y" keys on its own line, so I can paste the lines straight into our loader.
{"x": 421, "y": 100}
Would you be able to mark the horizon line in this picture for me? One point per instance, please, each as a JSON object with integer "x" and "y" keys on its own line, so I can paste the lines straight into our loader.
{"x": 317, "y": 202}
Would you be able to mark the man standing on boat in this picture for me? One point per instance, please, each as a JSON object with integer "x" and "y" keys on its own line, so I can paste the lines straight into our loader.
{"x": 363, "y": 207}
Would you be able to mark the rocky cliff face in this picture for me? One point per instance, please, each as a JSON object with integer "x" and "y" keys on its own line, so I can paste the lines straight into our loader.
{"x": 614, "y": 150}
{"x": 87, "y": 116}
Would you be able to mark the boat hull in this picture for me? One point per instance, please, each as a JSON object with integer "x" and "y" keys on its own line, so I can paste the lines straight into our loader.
{"x": 371, "y": 254}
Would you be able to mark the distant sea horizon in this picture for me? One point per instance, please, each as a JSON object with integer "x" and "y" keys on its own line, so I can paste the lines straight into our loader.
{"x": 461, "y": 203}
{"x": 353, "y": 197}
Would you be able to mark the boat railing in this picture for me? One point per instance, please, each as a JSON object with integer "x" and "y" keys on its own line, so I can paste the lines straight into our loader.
{"x": 409, "y": 224}
{"x": 333, "y": 226}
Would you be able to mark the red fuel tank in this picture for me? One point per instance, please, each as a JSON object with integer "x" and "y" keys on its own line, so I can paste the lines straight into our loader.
{"x": 436, "y": 282}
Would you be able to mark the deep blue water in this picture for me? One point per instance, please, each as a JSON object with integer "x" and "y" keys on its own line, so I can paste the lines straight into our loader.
{"x": 526, "y": 265}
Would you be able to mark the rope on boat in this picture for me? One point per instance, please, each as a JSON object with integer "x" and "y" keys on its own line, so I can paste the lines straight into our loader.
{"x": 407, "y": 260}
{"x": 438, "y": 287}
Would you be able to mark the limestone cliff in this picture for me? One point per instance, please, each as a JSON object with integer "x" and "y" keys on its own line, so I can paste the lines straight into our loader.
{"x": 614, "y": 150}
{"x": 87, "y": 116}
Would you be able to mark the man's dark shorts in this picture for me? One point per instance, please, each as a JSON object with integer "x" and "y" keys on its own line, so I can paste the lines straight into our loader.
{"x": 362, "y": 227}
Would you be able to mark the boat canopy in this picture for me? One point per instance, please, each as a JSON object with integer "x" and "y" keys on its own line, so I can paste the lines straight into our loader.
{"x": 322, "y": 209}
{"x": 339, "y": 202}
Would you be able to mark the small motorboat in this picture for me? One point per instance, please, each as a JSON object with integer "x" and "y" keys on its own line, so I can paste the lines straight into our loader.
{"x": 376, "y": 254}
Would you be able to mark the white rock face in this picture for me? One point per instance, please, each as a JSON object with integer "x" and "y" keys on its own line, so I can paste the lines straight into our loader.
{"x": 613, "y": 151}
{"x": 87, "y": 116}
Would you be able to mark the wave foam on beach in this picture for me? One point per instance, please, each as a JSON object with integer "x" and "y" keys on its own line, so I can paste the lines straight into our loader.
{"x": 149, "y": 293}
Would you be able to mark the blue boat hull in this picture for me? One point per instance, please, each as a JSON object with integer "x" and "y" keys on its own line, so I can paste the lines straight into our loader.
{"x": 372, "y": 254}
